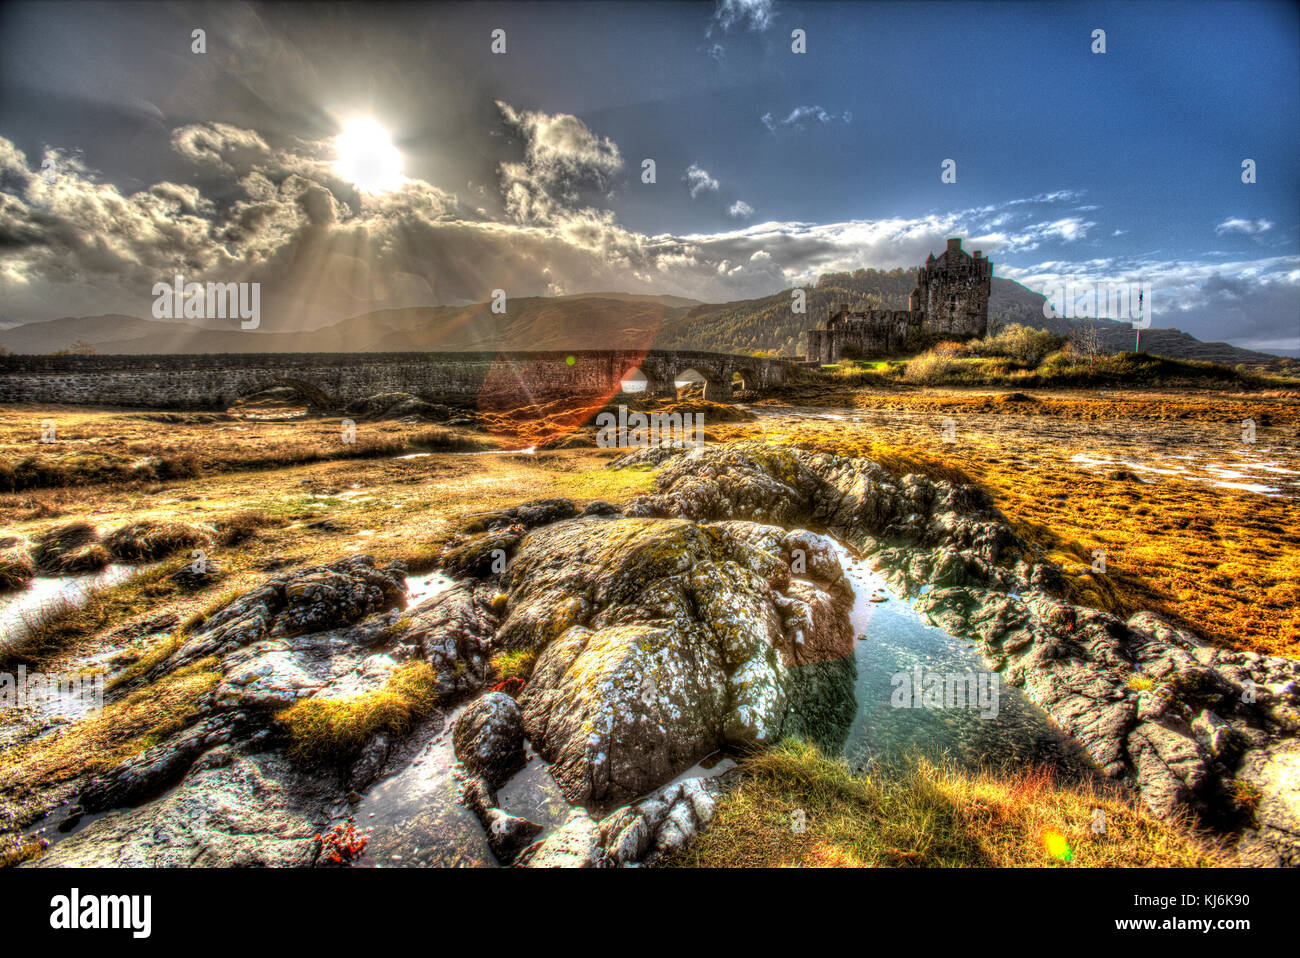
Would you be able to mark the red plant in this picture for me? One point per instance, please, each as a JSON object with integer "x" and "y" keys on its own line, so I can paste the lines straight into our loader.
{"x": 342, "y": 844}
{"x": 512, "y": 686}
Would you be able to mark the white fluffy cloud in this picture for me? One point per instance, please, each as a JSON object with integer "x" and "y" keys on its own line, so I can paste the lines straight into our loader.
{"x": 740, "y": 210}
{"x": 698, "y": 181}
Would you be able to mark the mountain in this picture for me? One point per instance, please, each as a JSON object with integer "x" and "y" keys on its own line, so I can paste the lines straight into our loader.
{"x": 538, "y": 322}
{"x": 594, "y": 321}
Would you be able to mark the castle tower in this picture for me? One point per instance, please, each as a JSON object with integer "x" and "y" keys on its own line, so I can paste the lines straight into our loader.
{"x": 953, "y": 291}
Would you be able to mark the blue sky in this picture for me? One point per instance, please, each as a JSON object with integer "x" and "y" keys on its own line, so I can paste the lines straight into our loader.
{"x": 523, "y": 170}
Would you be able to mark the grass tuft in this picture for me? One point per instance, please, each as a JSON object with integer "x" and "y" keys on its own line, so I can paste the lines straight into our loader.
{"x": 325, "y": 730}
{"x": 932, "y": 815}
{"x": 149, "y": 539}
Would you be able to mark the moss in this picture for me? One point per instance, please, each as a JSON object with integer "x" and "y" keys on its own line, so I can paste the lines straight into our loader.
{"x": 323, "y": 730}
{"x": 513, "y": 665}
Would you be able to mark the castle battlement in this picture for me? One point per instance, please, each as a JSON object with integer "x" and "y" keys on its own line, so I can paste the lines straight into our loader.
{"x": 951, "y": 301}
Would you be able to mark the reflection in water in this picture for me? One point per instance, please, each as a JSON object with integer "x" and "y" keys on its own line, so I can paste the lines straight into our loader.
{"x": 46, "y": 594}
{"x": 894, "y": 638}
{"x": 415, "y": 819}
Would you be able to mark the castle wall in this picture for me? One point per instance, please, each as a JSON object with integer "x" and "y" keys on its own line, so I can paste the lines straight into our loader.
{"x": 951, "y": 301}
{"x": 875, "y": 333}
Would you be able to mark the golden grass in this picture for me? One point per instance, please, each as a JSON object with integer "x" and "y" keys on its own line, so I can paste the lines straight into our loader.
{"x": 96, "y": 446}
{"x": 928, "y": 815}
{"x": 329, "y": 730}
{"x": 1222, "y": 562}
{"x": 513, "y": 665}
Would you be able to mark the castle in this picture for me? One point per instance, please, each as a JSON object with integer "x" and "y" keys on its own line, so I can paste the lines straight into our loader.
{"x": 951, "y": 301}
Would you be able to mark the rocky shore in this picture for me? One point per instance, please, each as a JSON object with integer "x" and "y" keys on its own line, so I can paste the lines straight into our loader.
{"x": 683, "y": 624}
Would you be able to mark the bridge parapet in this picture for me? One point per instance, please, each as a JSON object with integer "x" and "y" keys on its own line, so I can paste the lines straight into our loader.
{"x": 206, "y": 381}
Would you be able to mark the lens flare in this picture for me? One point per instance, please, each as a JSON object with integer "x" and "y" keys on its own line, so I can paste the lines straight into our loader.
{"x": 1057, "y": 846}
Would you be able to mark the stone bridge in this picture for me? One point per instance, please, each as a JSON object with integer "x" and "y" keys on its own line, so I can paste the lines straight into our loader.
{"x": 331, "y": 380}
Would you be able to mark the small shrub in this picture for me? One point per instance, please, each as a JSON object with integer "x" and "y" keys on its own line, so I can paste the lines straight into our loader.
{"x": 1024, "y": 344}
{"x": 929, "y": 368}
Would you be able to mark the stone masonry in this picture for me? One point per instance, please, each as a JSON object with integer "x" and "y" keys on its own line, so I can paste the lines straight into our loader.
{"x": 331, "y": 380}
{"x": 951, "y": 301}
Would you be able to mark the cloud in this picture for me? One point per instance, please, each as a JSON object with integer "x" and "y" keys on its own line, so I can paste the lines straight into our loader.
{"x": 757, "y": 15}
{"x": 322, "y": 252}
{"x": 801, "y": 116}
{"x": 562, "y": 158}
{"x": 698, "y": 181}
{"x": 219, "y": 145}
{"x": 1252, "y": 303}
{"x": 1246, "y": 227}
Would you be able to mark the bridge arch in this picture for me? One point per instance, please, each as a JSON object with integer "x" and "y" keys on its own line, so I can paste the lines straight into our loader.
{"x": 314, "y": 396}
{"x": 745, "y": 379}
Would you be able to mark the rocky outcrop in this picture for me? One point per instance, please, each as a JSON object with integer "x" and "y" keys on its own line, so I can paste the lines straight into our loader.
{"x": 1186, "y": 724}
{"x": 222, "y": 791}
{"x": 658, "y": 641}
{"x": 705, "y": 616}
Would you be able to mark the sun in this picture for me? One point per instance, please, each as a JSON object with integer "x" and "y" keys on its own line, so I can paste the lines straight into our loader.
{"x": 367, "y": 157}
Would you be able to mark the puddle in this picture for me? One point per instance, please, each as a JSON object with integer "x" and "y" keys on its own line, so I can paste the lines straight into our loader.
{"x": 415, "y": 818}
{"x": 473, "y": 452}
{"x": 894, "y": 639}
{"x": 421, "y": 587}
{"x": 47, "y": 593}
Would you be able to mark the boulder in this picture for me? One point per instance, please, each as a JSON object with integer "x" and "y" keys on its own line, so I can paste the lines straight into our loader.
{"x": 489, "y": 738}
{"x": 575, "y": 844}
{"x": 659, "y": 640}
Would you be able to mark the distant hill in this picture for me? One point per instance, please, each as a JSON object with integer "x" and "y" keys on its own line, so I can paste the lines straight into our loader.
{"x": 594, "y": 321}
{"x": 769, "y": 323}
{"x": 538, "y": 322}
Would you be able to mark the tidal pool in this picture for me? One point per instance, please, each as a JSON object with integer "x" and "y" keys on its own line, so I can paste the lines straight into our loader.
{"x": 415, "y": 818}
{"x": 854, "y": 711}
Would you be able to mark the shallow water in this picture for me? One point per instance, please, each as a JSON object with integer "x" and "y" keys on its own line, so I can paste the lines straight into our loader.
{"x": 47, "y": 593}
{"x": 895, "y": 639}
{"x": 415, "y": 819}
{"x": 424, "y": 586}
{"x": 528, "y": 451}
